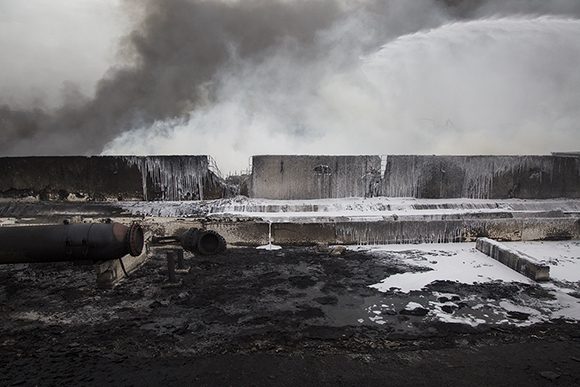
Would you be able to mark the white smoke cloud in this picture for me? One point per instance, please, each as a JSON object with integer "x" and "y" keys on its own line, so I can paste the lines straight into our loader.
{"x": 392, "y": 76}
{"x": 530, "y": 7}
{"x": 494, "y": 85}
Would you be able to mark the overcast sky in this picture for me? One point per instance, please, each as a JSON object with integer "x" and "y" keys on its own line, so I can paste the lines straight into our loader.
{"x": 44, "y": 43}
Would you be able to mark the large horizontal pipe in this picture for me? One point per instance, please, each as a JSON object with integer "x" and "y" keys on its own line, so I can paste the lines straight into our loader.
{"x": 202, "y": 242}
{"x": 195, "y": 240}
{"x": 69, "y": 242}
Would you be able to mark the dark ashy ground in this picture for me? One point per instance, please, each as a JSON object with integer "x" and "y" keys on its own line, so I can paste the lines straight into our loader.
{"x": 251, "y": 317}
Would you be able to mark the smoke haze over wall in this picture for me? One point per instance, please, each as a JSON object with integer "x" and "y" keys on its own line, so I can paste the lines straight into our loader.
{"x": 235, "y": 78}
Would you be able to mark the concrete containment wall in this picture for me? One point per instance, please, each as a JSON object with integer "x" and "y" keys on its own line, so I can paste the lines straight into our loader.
{"x": 482, "y": 177}
{"x": 313, "y": 177}
{"x": 291, "y": 177}
{"x": 109, "y": 178}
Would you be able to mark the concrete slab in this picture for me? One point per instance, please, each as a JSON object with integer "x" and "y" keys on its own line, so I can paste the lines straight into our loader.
{"x": 517, "y": 260}
{"x": 255, "y": 233}
{"x": 563, "y": 257}
{"x": 110, "y": 273}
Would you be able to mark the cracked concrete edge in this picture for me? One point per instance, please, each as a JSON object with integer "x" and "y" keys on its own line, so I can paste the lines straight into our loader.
{"x": 514, "y": 259}
{"x": 110, "y": 273}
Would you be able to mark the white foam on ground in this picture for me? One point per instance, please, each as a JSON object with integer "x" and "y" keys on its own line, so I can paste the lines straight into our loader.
{"x": 375, "y": 209}
{"x": 7, "y": 221}
{"x": 269, "y": 247}
{"x": 565, "y": 306}
{"x": 441, "y": 315}
{"x": 356, "y": 209}
{"x": 446, "y": 295}
{"x": 535, "y": 316}
{"x": 570, "y": 307}
{"x": 563, "y": 257}
{"x": 459, "y": 262}
{"x": 413, "y": 305}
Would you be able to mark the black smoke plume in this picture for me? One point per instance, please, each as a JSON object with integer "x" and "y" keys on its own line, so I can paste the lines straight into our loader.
{"x": 178, "y": 48}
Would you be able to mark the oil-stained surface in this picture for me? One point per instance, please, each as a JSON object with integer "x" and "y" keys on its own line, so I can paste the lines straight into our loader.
{"x": 263, "y": 317}
{"x": 109, "y": 178}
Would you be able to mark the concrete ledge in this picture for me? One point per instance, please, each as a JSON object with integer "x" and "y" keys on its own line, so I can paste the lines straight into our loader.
{"x": 255, "y": 233}
{"x": 520, "y": 262}
{"x": 109, "y": 273}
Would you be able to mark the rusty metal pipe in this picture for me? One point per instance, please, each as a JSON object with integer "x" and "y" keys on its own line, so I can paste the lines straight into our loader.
{"x": 69, "y": 242}
{"x": 195, "y": 240}
{"x": 202, "y": 242}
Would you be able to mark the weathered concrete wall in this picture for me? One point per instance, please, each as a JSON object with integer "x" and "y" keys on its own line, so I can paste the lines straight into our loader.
{"x": 482, "y": 177}
{"x": 396, "y": 232}
{"x": 478, "y": 177}
{"x": 313, "y": 177}
{"x": 109, "y": 178}
{"x": 244, "y": 232}
{"x": 291, "y": 177}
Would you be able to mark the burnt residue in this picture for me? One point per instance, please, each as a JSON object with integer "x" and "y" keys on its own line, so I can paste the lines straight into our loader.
{"x": 110, "y": 178}
{"x": 247, "y": 304}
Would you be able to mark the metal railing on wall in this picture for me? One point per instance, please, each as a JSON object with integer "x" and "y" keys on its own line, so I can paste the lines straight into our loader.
{"x": 213, "y": 167}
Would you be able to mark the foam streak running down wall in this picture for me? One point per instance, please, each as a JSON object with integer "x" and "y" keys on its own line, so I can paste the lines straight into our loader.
{"x": 106, "y": 178}
{"x": 482, "y": 177}
{"x": 476, "y": 177}
{"x": 179, "y": 178}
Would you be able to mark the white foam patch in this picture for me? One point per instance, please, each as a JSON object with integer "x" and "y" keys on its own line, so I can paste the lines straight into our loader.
{"x": 563, "y": 257}
{"x": 269, "y": 247}
{"x": 375, "y": 209}
{"x": 377, "y": 320}
{"x": 459, "y": 262}
{"x": 565, "y": 306}
{"x": 354, "y": 209}
{"x": 441, "y": 315}
{"x": 413, "y": 306}
{"x": 535, "y": 316}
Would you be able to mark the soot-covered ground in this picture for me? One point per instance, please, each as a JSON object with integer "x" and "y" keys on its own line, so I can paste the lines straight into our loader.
{"x": 254, "y": 317}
